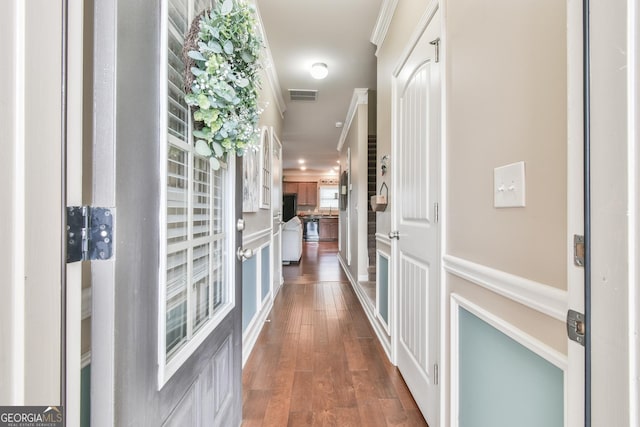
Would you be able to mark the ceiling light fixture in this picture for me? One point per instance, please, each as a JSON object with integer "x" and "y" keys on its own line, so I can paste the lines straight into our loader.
{"x": 319, "y": 70}
{"x": 301, "y": 161}
{"x": 303, "y": 168}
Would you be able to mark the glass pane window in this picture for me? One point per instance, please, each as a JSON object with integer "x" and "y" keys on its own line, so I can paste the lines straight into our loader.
{"x": 201, "y": 198}
{"x": 195, "y": 285}
{"x": 177, "y": 166}
{"x": 176, "y": 327}
{"x": 328, "y": 197}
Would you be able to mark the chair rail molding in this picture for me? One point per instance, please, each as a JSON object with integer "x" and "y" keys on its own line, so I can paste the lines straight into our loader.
{"x": 538, "y": 296}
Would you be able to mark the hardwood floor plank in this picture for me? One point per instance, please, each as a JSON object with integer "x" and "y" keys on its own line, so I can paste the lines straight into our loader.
{"x": 317, "y": 361}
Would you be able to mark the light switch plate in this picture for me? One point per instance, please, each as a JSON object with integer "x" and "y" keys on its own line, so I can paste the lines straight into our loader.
{"x": 509, "y": 186}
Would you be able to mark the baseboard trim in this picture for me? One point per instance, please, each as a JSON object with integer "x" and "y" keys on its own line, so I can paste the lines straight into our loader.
{"x": 368, "y": 310}
{"x": 537, "y": 296}
{"x": 250, "y": 336}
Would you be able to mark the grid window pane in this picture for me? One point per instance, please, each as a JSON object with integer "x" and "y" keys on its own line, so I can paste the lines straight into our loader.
{"x": 201, "y": 197}
{"x": 218, "y": 201}
{"x": 201, "y": 285}
{"x": 177, "y": 165}
{"x": 176, "y": 328}
{"x": 218, "y": 267}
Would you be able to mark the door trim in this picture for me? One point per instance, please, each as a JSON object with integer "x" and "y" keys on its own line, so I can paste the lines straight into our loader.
{"x": 575, "y": 204}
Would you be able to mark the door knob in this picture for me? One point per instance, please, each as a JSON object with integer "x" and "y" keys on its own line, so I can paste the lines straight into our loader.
{"x": 394, "y": 235}
{"x": 243, "y": 254}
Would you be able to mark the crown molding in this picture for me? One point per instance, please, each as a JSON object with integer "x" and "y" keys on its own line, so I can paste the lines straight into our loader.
{"x": 385, "y": 15}
{"x": 360, "y": 96}
{"x": 269, "y": 66}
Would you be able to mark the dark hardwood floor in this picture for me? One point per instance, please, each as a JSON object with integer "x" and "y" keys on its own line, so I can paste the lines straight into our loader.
{"x": 317, "y": 361}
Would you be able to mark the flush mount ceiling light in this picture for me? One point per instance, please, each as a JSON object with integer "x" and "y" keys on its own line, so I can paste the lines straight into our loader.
{"x": 319, "y": 70}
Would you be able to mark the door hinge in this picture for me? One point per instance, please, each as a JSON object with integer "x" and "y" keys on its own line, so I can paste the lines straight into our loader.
{"x": 89, "y": 233}
{"x": 578, "y": 250}
{"x": 436, "y": 374}
{"x": 576, "y": 326}
{"x": 436, "y": 212}
{"x": 436, "y": 43}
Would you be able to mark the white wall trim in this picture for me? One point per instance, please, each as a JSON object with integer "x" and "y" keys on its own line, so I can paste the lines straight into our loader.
{"x": 269, "y": 67}
{"x": 385, "y": 15}
{"x": 549, "y": 354}
{"x": 19, "y": 183}
{"x": 368, "y": 310}
{"x": 540, "y": 297}
{"x": 385, "y": 323}
{"x": 360, "y": 96}
{"x": 251, "y": 334}
{"x": 383, "y": 238}
{"x": 633, "y": 158}
{"x": 254, "y": 237}
{"x": 426, "y": 18}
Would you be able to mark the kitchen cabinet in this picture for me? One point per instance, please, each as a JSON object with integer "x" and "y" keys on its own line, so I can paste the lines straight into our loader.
{"x": 328, "y": 228}
{"x": 290, "y": 188}
{"x": 307, "y": 192}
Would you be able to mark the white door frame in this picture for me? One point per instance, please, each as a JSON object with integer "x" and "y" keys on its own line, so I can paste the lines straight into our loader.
{"x": 575, "y": 383}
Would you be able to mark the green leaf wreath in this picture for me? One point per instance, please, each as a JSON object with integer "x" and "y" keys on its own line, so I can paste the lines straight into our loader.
{"x": 223, "y": 80}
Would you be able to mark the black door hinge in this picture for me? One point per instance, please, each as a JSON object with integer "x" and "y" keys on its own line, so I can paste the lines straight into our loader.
{"x": 89, "y": 233}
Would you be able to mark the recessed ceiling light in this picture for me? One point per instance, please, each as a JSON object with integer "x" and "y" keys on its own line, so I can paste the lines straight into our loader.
{"x": 301, "y": 161}
{"x": 319, "y": 70}
{"x": 339, "y": 124}
{"x": 303, "y": 168}
{"x": 335, "y": 168}
{"x": 338, "y": 161}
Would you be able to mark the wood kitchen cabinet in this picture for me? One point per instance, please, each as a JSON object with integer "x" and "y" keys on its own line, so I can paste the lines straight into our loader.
{"x": 307, "y": 192}
{"x": 328, "y": 229}
{"x": 290, "y": 188}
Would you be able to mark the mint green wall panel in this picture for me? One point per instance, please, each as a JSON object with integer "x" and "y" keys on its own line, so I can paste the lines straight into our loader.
{"x": 502, "y": 383}
{"x": 249, "y": 291}
{"x": 383, "y": 287}
{"x": 85, "y": 396}
{"x": 266, "y": 271}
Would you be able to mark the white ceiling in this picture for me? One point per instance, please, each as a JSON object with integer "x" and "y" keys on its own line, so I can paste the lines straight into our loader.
{"x": 300, "y": 33}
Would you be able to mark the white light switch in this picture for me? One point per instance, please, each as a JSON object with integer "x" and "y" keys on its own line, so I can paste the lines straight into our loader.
{"x": 508, "y": 186}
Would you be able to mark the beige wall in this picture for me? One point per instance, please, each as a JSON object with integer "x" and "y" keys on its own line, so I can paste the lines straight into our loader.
{"x": 261, "y": 220}
{"x": 356, "y": 140}
{"x": 507, "y": 103}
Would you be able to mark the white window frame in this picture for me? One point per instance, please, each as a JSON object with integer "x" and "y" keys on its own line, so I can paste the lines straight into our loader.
{"x": 169, "y": 366}
{"x": 265, "y": 168}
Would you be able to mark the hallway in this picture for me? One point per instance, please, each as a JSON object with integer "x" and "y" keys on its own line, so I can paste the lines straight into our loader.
{"x": 317, "y": 361}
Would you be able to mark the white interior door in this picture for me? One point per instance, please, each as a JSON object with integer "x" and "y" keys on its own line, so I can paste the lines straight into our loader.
{"x": 417, "y": 248}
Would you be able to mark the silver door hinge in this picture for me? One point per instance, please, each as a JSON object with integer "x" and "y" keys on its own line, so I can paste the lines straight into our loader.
{"x": 436, "y": 374}
{"x": 436, "y": 43}
{"x": 578, "y": 250}
{"x": 436, "y": 212}
{"x": 576, "y": 326}
{"x": 89, "y": 233}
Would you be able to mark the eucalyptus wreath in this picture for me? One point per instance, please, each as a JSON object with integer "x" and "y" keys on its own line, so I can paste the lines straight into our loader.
{"x": 224, "y": 80}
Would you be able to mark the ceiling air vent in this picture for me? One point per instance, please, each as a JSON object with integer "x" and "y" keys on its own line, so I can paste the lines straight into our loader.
{"x": 303, "y": 94}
